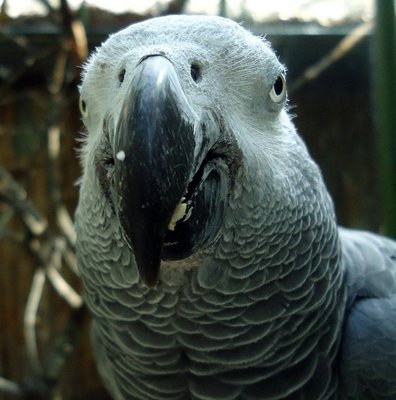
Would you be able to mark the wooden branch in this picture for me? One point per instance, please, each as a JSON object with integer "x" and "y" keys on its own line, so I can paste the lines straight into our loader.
{"x": 52, "y": 268}
{"x": 15, "y": 196}
{"x": 30, "y": 320}
{"x": 10, "y": 388}
{"x": 341, "y": 50}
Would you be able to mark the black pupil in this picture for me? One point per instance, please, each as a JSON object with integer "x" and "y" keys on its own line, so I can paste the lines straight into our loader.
{"x": 278, "y": 86}
{"x": 196, "y": 72}
{"x": 83, "y": 106}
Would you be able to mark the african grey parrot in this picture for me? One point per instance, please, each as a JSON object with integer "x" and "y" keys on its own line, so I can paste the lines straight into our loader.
{"x": 207, "y": 241}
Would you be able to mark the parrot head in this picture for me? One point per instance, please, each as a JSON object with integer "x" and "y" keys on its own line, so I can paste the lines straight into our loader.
{"x": 184, "y": 115}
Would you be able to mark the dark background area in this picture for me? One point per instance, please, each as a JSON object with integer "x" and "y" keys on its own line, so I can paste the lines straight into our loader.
{"x": 39, "y": 74}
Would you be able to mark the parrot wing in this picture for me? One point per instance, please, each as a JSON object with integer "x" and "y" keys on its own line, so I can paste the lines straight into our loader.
{"x": 368, "y": 352}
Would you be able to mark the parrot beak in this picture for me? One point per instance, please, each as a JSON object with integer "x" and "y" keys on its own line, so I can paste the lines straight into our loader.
{"x": 171, "y": 181}
{"x": 156, "y": 137}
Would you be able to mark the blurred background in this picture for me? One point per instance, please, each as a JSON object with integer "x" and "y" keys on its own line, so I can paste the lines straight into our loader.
{"x": 341, "y": 59}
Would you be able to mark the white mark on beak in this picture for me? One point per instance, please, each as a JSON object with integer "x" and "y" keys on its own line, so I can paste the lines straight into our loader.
{"x": 121, "y": 155}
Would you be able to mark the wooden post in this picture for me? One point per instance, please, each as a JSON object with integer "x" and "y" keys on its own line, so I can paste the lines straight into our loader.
{"x": 385, "y": 99}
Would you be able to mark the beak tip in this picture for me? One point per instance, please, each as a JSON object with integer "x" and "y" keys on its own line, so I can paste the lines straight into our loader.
{"x": 149, "y": 276}
{"x": 151, "y": 284}
{"x": 148, "y": 263}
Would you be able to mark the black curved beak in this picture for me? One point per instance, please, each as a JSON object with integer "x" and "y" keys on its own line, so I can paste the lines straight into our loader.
{"x": 154, "y": 159}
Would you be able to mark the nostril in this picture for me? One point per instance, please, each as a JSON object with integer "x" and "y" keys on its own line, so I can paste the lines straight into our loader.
{"x": 121, "y": 75}
{"x": 196, "y": 74}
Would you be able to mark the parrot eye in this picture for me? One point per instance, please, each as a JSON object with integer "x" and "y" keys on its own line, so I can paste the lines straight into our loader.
{"x": 278, "y": 90}
{"x": 83, "y": 108}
